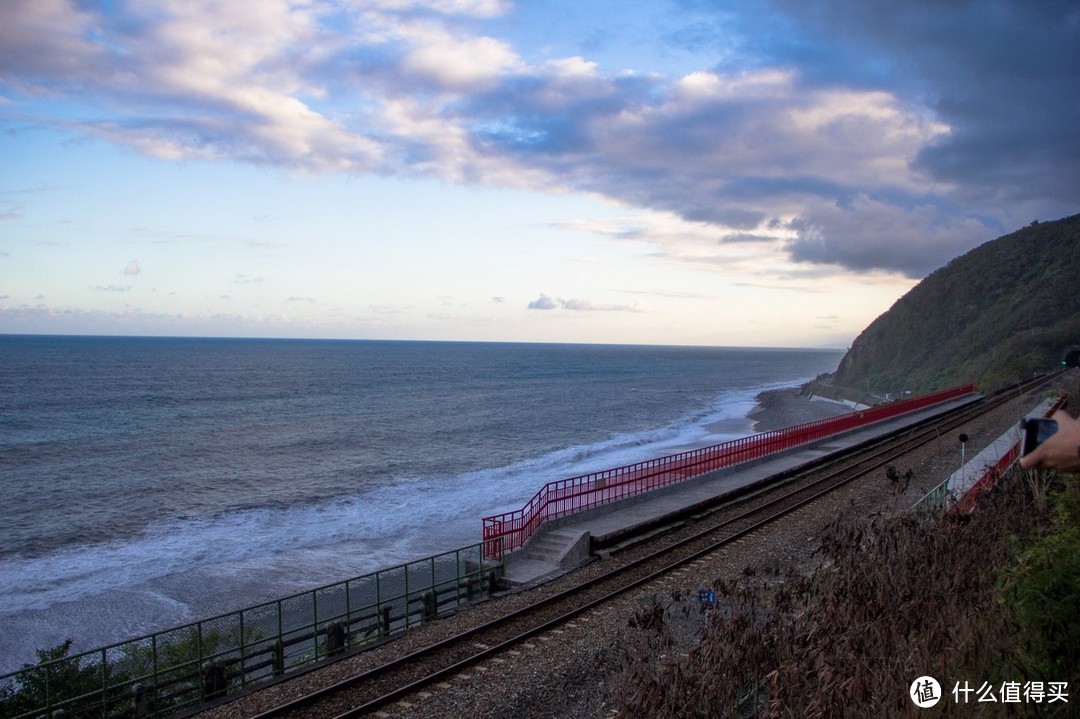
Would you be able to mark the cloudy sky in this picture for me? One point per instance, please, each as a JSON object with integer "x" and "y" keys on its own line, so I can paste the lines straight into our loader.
{"x": 724, "y": 172}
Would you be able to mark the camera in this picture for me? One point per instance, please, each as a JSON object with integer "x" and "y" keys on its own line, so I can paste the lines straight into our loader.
{"x": 1036, "y": 431}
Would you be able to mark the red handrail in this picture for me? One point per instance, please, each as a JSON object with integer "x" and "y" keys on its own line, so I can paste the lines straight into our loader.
{"x": 567, "y": 496}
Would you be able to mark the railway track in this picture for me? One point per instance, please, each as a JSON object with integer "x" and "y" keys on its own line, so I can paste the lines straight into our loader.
{"x": 367, "y": 692}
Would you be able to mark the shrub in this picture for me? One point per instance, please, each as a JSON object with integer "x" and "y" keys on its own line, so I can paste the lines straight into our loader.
{"x": 1042, "y": 588}
{"x": 71, "y": 683}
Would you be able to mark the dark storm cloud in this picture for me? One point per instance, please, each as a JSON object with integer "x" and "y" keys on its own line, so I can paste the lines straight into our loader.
{"x": 1001, "y": 78}
{"x": 868, "y": 235}
{"x": 1004, "y": 75}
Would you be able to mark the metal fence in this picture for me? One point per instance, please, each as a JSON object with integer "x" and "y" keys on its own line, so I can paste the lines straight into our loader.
{"x": 164, "y": 672}
{"x": 567, "y": 496}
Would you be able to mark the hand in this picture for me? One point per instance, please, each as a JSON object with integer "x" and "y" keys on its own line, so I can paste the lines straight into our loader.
{"x": 1061, "y": 451}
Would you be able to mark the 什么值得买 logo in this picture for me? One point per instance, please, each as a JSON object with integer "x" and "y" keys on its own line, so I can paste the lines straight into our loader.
{"x": 925, "y": 692}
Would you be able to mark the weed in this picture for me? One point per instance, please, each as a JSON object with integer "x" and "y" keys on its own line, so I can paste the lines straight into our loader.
{"x": 894, "y": 597}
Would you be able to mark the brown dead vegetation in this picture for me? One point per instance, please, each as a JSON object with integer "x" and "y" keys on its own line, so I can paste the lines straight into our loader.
{"x": 892, "y": 598}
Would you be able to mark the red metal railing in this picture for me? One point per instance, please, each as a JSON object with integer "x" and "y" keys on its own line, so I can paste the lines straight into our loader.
{"x": 567, "y": 496}
{"x": 966, "y": 503}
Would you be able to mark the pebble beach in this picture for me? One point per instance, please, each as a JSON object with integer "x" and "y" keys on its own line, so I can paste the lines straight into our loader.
{"x": 787, "y": 407}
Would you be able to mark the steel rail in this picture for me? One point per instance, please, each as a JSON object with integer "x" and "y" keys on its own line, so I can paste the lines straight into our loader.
{"x": 871, "y": 455}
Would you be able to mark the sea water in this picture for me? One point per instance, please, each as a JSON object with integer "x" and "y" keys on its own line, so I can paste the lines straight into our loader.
{"x": 149, "y": 482}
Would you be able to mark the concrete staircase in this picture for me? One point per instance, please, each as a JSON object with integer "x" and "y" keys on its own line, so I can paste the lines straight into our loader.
{"x": 548, "y": 553}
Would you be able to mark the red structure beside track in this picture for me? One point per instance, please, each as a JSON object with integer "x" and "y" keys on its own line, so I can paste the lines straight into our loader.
{"x": 966, "y": 503}
{"x": 567, "y": 496}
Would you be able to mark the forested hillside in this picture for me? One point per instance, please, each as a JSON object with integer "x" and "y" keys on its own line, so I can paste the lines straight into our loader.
{"x": 1001, "y": 312}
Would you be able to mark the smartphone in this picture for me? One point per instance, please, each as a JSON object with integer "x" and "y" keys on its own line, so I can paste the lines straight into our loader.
{"x": 1036, "y": 431}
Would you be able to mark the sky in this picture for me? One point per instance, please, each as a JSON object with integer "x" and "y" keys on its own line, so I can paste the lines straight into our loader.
{"x": 686, "y": 172}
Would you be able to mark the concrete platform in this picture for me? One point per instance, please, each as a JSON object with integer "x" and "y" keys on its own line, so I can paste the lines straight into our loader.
{"x": 568, "y": 542}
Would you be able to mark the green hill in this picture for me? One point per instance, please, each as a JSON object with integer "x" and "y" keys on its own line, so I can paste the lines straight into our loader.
{"x": 1001, "y": 312}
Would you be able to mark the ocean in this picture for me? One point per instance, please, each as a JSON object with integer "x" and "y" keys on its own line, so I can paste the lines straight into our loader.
{"x": 150, "y": 482}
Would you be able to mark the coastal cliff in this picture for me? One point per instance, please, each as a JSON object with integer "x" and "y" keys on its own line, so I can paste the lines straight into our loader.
{"x": 1003, "y": 311}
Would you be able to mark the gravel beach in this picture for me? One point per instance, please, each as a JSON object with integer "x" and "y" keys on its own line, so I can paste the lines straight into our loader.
{"x": 786, "y": 407}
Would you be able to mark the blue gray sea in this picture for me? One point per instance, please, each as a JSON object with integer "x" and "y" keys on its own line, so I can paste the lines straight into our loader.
{"x": 149, "y": 482}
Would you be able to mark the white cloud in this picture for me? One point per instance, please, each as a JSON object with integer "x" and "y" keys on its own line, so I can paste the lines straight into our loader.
{"x": 544, "y": 302}
{"x": 477, "y": 8}
{"x": 242, "y": 87}
{"x": 717, "y": 248}
{"x": 458, "y": 63}
{"x": 233, "y": 87}
{"x": 132, "y": 268}
{"x": 414, "y": 88}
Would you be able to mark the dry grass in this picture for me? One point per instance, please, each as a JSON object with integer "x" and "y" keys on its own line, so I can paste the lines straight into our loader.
{"x": 894, "y": 597}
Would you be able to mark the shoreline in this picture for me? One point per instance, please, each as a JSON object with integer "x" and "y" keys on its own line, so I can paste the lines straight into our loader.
{"x": 787, "y": 407}
{"x": 150, "y": 605}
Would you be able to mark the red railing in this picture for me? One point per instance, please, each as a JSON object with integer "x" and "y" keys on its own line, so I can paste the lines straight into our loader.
{"x": 567, "y": 496}
{"x": 966, "y": 503}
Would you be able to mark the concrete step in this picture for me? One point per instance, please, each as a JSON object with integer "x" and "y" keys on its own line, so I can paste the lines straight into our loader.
{"x": 550, "y": 545}
{"x": 548, "y": 553}
{"x": 545, "y": 553}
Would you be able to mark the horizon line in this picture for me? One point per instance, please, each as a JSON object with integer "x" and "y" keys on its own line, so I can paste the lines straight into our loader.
{"x": 70, "y": 335}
